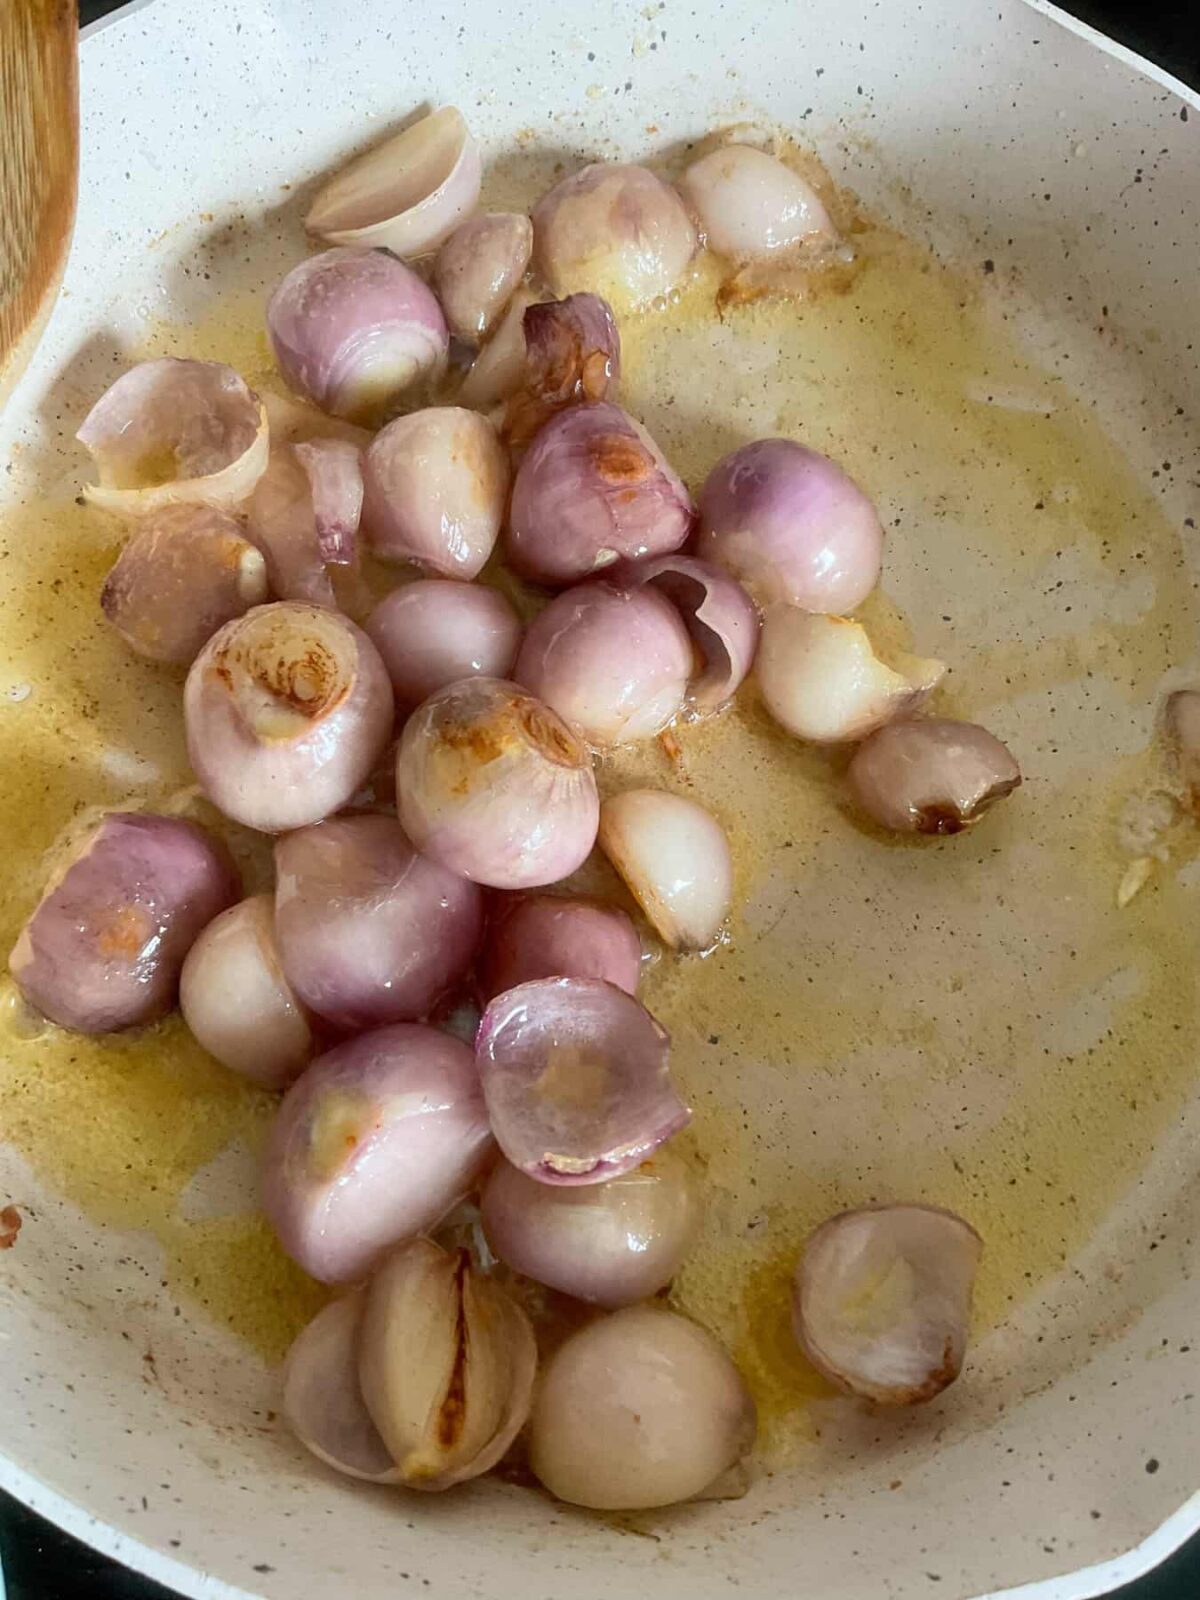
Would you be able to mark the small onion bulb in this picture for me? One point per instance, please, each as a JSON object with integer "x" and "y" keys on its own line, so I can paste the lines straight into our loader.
{"x": 674, "y": 856}
{"x": 821, "y": 680}
{"x": 495, "y": 786}
{"x": 433, "y": 632}
{"x": 882, "y": 1300}
{"x": 559, "y": 936}
{"x": 478, "y": 268}
{"x": 607, "y": 1243}
{"x": 931, "y": 775}
{"x": 751, "y": 205}
{"x": 640, "y": 1409}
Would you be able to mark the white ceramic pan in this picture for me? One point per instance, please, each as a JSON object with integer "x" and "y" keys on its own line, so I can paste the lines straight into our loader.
{"x": 976, "y": 1024}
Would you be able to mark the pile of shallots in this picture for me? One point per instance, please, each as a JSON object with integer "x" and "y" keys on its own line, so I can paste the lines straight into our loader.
{"x": 425, "y": 765}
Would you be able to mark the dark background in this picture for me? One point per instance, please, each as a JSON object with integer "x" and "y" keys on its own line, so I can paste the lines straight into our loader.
{"x": 40, "y": 1563}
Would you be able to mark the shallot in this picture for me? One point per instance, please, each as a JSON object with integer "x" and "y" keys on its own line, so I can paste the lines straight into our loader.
{"x": 478, "y": 268}
{"x": 286, "y": 711}
{"x": 304, "y": 517}
{"x": 352, "y": 330}
{"x": 608, "y": 1243}
{"x": 592, "y": 489}
{"x": 931, "y": 775}
{"x": 433, "y": 632}
{"x": 104, "y": 947}
{"x": 749, "y": 204}
{"x": 495, "y": 786}
{"x": 719, "y": 615}
{"x": 436, "y": 483}
{"x": 614, "y": 663}
{"x": 675, "y": 858}
{"x": 640, "y": 1409}
{"x": 790, "y": 523}
{"x": 238, "y": 1003}
{"x": 372, "y": 1145}
{"x": 576, "y": 1079}
{"x": 882, "y": 1300}
{"x": 559, "y": 936}
{"x": 369, "y": 931}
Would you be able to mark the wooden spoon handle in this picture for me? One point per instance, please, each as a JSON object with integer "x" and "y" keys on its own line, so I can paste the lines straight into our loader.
{"x": 39, "y": 161}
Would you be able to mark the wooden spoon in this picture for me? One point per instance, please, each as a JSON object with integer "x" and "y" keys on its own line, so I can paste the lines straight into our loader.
{"x": 39, "y": 168}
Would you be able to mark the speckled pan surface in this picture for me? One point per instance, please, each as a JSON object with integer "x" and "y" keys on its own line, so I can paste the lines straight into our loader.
{"x": 1063, "y": 183}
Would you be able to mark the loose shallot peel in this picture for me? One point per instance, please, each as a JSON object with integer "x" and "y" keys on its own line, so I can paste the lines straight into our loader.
{"x": 322, "y": 1399}
{"x": 286, "y": 712}
{"x": 576, "y": 1079}
{"x": 372, "y": 1145}
{"x": 640, "y": 1409}
{"x": 173, "y": 431}
{"x": 882, "y": 1300}
{"x": 370, "y": 932}
{"x": 446, "y": 1363}
{"x": 104, "y": 947}
{"x": 572, "y": 353}
{"x": 931, "y": 776}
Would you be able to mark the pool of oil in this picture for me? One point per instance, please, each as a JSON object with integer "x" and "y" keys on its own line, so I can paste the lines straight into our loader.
{"x": 969, "y": 1021}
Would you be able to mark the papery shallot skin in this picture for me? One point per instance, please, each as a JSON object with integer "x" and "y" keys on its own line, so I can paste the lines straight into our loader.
{"x": 616, "y": 230}
{"x": 614, "y": 663}
{"x": 593, "y": 489}
{"x": 104, "y": 948}
{"x": 370, "y": 932}
{"x": 435, "y": 631}
{"x": 322, "y": 1400}
{"x": 372, "y": 1145}
{"x": 286, "y": 712}
{"x": 572, "y": 353}
{"x": 184, "y": 572}
{"x": 352, "y": 330}
{"x": 435, "y": 485}
{"x": 535, "y": 936}
{"x": 576, "y": 1079}
{"x": 792, "y": 526}
{"x": 478, "y": 268}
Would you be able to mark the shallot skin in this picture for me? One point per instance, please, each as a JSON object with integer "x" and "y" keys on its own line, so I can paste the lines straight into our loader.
{"x": 104, "y": 948}
{"x": 286, "y": 711}
{"x": 435, "y": 484}
{"x": 322, "y": 1401}
{"x": 435, "y": 631}
{"x": 559, "y": 936}
{"x": 373, "y": 1144}
{"x": 614, "y": 663}
{"x": 792, "y": 526}
{"x": 371, "y": 932}
{"x": 719, "y": 615}
{"x": 237, "y": 1001}
{"x": 495, "y": 786}
{"x": 478, "y": 268}
{"x": 614, "y": 229}
{"x": 930, "y": 776}
{"x": 354, "y": 329}
{"x": 184, "y": 573}
{"x": 593, "y": 489}
{"x": 640, "y": 1409}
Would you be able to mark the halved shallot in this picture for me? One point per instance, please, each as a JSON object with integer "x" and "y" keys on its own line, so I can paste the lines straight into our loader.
{"x": 575, "y": 1075}
{"x": 433, "y": 632}
{"x": 446, "y": 1363}
{"x": 104, "y": 946}
{"x": 478, "y": 268}
{"x": 821, "y": 680}
{"x": 408, "y": 193}
{"x": 172, "y": 431}
{"x": 185, "y": 571}
{"x": 373, "y": 1144}
{"x": 791, "y": 525}
{"x": 238, "y": 1003}
{"x": 495, "y": 786}
{"x": 436, "y": 487}
{"x": 674, "y": 856}
{"x": 352, "y": 330}
{"x": 930, "y": 775}
{"x": 607, "y": 1243}
{"x": 559, "y": 936}
{"x": 639, "y": 1409}
{"x": 614, "y": 229}
{"x": 614, "y": 663}
{"x": 882, "y": 1300}
{"x": 593, "y": 488}
{"x": 369, "y": 931}
{"x": 286, "y": 711}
